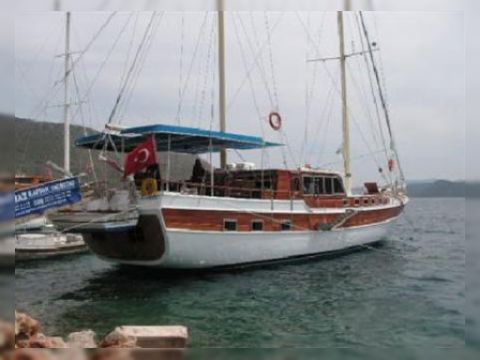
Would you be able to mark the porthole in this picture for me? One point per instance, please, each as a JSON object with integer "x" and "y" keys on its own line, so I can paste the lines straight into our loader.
{"x": 286, "y": 225}
{"x": 257, "y": 225}
{"x": 229, "y": 225}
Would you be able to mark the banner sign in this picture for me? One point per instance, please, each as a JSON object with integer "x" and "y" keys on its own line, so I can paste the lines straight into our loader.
{"x": 55, "y": 194}
{"x": 7, "y": 206}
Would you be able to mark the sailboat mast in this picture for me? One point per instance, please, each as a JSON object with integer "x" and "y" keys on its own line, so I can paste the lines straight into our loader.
{"x": 345, "y": 120}
{"x": 66, "y": 105}
{"x": 221, "y": 77}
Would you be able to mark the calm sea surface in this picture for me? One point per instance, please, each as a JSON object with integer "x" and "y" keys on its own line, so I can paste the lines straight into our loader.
{"x": 408, "y": 291}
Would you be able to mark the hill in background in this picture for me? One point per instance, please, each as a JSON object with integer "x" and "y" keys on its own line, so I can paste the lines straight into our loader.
{"x": 438, "y": 188}
{"x": 30, "y": 144}
{"x": 26, "y": 146}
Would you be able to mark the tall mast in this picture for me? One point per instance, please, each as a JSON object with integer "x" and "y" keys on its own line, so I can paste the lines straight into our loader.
{"x": 221, "y": 77}
{"x": 66, "y": 105}
{"x": 345, "y": 120}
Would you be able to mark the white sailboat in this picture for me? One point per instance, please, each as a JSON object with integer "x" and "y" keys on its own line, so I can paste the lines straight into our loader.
{"x": 235, "y": 215}
{"x": 35, "y": 237}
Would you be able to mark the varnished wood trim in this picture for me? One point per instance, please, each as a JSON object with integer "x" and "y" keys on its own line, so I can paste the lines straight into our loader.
{"x": 213, "y": 220}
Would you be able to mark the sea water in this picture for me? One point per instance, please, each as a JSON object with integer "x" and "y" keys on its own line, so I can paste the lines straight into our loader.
{"x": 408, "y": 291}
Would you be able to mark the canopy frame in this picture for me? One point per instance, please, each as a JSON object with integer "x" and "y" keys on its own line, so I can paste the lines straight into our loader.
{"x": 173, "y": 138}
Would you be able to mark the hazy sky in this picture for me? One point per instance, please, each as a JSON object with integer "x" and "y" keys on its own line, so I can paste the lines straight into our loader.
{"x": 423, "y": 57}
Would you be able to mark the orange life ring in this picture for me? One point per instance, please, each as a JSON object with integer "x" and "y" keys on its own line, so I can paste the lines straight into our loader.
{"x": 275, "y": 120}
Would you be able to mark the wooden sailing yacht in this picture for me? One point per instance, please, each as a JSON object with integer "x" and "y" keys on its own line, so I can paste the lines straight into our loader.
{"x": 233, "y": 215}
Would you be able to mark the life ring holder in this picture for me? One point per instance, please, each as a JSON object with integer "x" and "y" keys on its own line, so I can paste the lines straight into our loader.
{"x": 275, "y": 120}
{"x": 149, "y": 186}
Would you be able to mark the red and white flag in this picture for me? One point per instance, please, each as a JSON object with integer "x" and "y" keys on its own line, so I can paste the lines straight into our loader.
{"x": 141, "y": 157}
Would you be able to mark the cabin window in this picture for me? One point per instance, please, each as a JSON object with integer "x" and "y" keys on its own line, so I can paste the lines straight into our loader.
{"x": 365, "y": 201}
{"x": 345, "y": 202}
{"x": 308, "y": 185}
{"x": 328, "y": 185}
{"x": 319, "y": 185}
{"x": 357, "y": 202}
{"x": 229, "y": 225}
{"x": 257, "y": 225}
{"x": 286, "y": 225}
{"x": 267, "y": 184}
{"x": 337, "y": 186}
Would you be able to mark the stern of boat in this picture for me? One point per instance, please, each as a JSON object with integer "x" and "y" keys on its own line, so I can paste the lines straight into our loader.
{"x": 141, "y": 242}
{"x": 128, "y": 237}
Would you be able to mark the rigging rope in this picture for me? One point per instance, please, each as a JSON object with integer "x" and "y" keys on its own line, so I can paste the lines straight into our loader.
{"x": 256, "y": 38}
{"x": 209, "y": 66}
{"x": 261, "y": 118}
{"x": 90, "y": 155}
{"x": 272, "y": 67}
{"x": 272, "y": 94}
{"x": 252, "y": 66}
{"x": 54, "y": 89}
{"x": 310, "y": 93}
{"x": 370, "y": 81}
{"x": 334, "y": 82}
{"x": 325, "y": 120}
{"x": 42, "y": 106}
{"x": 132, "y": 68}
{"x": 258, "y": 63}
{"x": 89, "y": 45}
{"x": 249, "y": 77}
{"x": 102, "y": 65}
{"x": 382, "y": 173}
{"x": 129, "y": 52}
{"x": 382, "y": 97}
{"x": 184, "y": 86}
{"x": 141, "y": 62}
{"x": 180, "y": 75}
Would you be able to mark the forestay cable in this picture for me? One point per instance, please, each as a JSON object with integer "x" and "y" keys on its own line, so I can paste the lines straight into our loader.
{"x": 132, "y": 68}
{"x": 382, "y": 97}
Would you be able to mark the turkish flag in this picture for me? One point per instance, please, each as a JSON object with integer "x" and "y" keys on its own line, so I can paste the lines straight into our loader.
{"x": 141, "y": 157}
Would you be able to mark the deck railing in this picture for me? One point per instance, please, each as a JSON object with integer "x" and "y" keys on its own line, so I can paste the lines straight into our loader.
{"x": 340, "y": 200}
{"x": 226, "y": 190}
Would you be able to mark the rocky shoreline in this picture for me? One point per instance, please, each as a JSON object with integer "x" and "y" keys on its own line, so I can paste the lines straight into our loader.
{"x": 25, "y": 340}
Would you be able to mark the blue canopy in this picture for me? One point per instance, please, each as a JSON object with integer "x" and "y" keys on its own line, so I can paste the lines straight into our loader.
{"x": 181, "y": 139}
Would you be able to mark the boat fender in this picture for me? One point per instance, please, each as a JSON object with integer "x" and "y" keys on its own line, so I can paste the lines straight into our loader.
{"x": 275, "y": 120}
{"x": 149, "y": 186}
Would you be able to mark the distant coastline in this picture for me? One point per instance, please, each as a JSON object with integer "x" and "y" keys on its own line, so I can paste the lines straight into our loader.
{"x": 443, "y": 188}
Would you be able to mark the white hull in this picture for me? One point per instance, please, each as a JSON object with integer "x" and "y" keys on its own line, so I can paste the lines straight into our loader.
{"x": 200, "y": 250}
{"x": 179, "y": 248}
{"x": 185, "y": 250}
{"x": 31, "y": 224}
{"x": 47, "y": 245}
